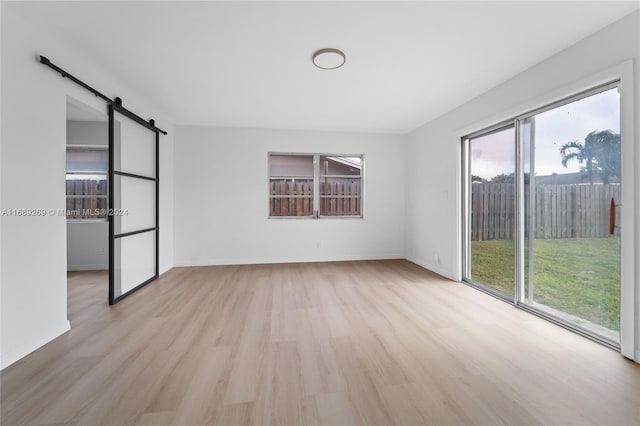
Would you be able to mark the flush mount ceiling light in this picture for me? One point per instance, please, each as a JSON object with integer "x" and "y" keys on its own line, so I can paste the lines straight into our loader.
{"x": 329, "y": 59}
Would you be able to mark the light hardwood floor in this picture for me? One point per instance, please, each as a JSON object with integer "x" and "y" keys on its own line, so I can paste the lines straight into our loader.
{"x": 377, "y": 342}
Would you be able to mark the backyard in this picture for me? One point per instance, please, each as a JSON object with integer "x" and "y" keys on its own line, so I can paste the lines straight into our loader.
{"x": 580, "y": 276}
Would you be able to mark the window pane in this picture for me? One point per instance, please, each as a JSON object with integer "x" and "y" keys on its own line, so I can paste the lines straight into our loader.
{"x": 291, "y": 165}
{"x": 134, "y": 261}
{"x": 291, "y": 206}
{"x": 87, "y": 160}
{"x": 134, "y": 147}
{"x": 491, "y": 207}
{"x": 86, "y": 196}
{"x": 291, "y": 197}
{"x": 573, "y": 260}
{"x": 344, "y": 166}
{"x": 86, "y": 182}
{"x": 340, "y": 196}
{"x": 86, "y": 208}
{"x": 91, "y": 185}
{"x": 135, "y": 201}
{"x": 310, "y": 185}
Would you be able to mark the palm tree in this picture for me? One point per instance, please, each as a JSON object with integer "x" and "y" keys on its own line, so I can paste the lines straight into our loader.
{"x": 607, "y": 154}
{"x": 600, "y": 153}
{"x": 582, "y": 153}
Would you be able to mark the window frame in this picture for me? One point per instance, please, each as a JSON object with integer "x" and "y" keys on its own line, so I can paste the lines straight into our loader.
{"x": 105, "y": 173}
{"x": 316, "y": 196}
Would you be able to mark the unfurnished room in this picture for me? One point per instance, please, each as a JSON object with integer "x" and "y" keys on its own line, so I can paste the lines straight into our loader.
{"x": 319, "y": 213}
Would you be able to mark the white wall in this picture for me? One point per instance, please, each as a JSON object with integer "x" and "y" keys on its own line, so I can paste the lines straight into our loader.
{"x": 1, "y": 204}
{"x": 433, "y": 158}
{"x": 87, "y": 246}
{"x": 221, "y": 214}
{"x": 87, "y": 242}
{"x": 33, "y": 262}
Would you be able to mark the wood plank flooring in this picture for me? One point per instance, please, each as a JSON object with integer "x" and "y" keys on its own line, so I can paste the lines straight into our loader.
{"x": 347, "y": 343}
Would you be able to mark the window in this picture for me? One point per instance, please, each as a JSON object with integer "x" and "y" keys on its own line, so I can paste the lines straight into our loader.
{"x": 87, "y": 182}
{"x": 315, "y": 185}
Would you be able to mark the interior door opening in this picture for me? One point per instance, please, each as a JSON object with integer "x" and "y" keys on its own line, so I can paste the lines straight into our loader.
{"x": 86, "y": 184}
{"x": 131, "y": 203}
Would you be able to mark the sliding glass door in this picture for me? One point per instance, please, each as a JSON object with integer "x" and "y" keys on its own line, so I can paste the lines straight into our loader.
{"x": 572, "y": 245}
{"x": 490, "y": 228}
{"x": 551, "y": 213}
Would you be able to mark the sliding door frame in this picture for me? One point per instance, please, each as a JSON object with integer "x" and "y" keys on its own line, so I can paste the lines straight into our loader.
{"x": 622, "y": 78}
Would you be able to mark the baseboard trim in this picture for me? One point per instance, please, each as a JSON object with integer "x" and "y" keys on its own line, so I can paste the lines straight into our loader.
{"x": 223, "y": 262}
{"x": 226, "y": 262}
{"x": 431, "y": 267}
{"x": 4, "y": 363}
{"x": 97, "y": 267}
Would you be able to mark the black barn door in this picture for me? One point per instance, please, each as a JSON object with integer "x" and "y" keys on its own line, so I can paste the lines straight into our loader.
{"x": 133, "y": 203}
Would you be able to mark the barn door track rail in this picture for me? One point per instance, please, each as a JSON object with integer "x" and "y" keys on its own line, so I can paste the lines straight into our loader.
{"x": 117, "y": 102}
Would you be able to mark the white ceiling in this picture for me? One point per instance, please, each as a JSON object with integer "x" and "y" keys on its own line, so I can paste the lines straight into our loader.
{"x": 248, "y": 64}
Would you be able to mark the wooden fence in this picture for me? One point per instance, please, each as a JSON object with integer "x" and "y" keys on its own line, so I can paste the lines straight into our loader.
{"x": 337, "y": 198}
{"x": 85, "y": 207}
{"x": 561, "y": 211}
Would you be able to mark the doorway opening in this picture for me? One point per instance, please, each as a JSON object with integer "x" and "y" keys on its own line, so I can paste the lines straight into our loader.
{"x": 86, "y": 182}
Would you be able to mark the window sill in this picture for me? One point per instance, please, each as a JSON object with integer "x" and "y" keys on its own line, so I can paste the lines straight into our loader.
{"x": 87, "y": 221}
{"x": 311, "y": 217}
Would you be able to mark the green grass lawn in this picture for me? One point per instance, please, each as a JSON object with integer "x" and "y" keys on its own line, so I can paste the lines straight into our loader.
{"x": 577, "y": 276}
